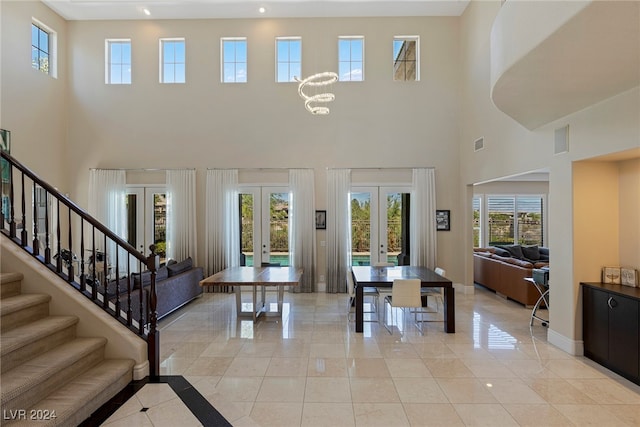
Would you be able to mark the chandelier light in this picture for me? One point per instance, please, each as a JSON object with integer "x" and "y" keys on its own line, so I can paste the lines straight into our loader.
{"x": 317, "y": 81}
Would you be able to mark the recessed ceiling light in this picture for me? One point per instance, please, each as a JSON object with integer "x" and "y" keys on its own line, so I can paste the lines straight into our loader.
{"x": 262, "y": 10}
{"x": 146, "y": 11}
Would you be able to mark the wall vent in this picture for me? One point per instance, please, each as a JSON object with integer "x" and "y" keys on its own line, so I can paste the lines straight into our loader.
{"x": 478, "y": 144}
{"x": 561, "y": 140}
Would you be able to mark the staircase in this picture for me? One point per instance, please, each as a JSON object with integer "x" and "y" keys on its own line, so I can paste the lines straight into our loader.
{"x": 49, "y": 376}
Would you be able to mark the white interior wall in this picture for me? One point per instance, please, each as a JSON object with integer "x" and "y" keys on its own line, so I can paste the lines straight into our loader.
{"x": 33, "y": 105}
{"x": 204, "y": 124}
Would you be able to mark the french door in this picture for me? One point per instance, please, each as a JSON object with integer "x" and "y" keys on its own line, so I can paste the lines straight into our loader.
{"x": 146, "y": 208}
{"x": 264, "y": 225}
{"x": 377, "y": 224}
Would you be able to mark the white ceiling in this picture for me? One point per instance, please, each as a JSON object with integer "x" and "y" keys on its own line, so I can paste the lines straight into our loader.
{"x": 205, "y": 9}
{"x": 593, "y": 56}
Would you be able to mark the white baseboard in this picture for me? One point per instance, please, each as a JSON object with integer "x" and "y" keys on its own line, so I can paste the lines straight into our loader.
{"x": 573, "y": 347}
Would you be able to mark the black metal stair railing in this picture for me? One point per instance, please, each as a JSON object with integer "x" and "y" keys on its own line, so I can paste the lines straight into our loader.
{"x": 50, "y": 227}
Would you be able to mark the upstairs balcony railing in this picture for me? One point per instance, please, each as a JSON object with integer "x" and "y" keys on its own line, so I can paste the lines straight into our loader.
{"x": 81, "y": 250}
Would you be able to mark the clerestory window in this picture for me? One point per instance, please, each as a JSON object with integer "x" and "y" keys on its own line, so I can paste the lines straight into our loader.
{"x": 351, "y": 58}
{"x": 405, "y": 58}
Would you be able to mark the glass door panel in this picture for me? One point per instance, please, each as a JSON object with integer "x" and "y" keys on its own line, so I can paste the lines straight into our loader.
{"x": 158, "y": 231}
{"x": 249, "y": 238}
{"x": 146, "y": 211}
{"x": 362, "y": 237}
{"x": 275, "y": 228}
{"x": 392, "y": 228}
{"x": 134, "y": 205}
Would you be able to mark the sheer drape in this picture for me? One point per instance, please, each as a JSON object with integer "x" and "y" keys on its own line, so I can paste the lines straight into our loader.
{"x": 338, "y": 229}
{"x": 222, "y": 228}
{"x": 302, "y": 233}
{"x": 423, "y": 221}
{"x": 107, "y": 192}
{"x": 181, "y": 214}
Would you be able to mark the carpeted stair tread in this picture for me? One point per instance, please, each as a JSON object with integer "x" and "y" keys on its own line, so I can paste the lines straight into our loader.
{"x": 20, "y": 302}
{"x": 25, "y": 334}
{"x": 10, "y": 284}
{"x": 38, "y": 370}
{"x": 76, "y": 401}
{"x": 11, "y": 277}
{"x": 25, "y": 342}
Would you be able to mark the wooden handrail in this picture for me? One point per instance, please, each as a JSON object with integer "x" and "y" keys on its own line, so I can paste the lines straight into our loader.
{"x": 13, "y": 173}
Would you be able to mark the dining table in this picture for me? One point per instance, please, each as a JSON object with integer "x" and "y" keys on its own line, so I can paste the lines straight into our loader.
{"x": 383, "y": 277}
{"x": 256, "y": 278}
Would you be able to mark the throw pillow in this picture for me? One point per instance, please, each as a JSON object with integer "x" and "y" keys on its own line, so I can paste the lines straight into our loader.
{"x": 502, "y": 252}
{"x": 145, "y": 277}
{"x": 180, "y": 267}
{"x": 531, "y": 252}
{"x": 514, "y": 250}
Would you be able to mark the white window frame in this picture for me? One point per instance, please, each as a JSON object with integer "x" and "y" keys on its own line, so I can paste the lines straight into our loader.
{"x": 484, "y": 214}
{"x": 161, "y": 55}
{"x": 417, "y": 40}
{"x": 223, "y": 63}
{"x": 288, "y": 62}
{"x": 108, "y": 61}
{"x": 53, "y": 48}
{"x": 351, "y": 38}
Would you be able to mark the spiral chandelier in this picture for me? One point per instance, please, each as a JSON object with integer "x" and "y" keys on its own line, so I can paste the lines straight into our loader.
{"x": 317, "y": 81}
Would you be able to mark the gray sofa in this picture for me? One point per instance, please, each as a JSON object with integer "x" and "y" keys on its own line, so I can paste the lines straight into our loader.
{"x": 176, "y": 285}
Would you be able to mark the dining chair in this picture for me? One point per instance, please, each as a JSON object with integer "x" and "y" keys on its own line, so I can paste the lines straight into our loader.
{"x": 367, "y": 291}
{"x": 405, "y": 293}
{"x": 436, "y": 293}
{"x": 383, "y": 291}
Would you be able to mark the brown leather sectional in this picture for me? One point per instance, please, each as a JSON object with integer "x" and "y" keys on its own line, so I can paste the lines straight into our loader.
{"x": 505, "y": 275}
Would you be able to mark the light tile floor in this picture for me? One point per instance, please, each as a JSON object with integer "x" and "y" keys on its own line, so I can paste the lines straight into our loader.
{"x": 312, "y": 369}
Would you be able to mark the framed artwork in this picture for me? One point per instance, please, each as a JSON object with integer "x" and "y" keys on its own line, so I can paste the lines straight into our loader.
{"x": 321, "y": 220}
{"x": 443, "y": 220}
{"x": 629, "y": 277}
{"x": 611, "y": 275}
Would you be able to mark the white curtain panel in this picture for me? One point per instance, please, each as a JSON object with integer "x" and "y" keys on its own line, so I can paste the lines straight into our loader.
{"x": 107, "y": 192}
{"x": 302, "y": 233}
{"x": 222, "y": 228}
{"x": 423, "y": 218}
{"x": 181, "y": 215}
{"x": 338, "y": 229}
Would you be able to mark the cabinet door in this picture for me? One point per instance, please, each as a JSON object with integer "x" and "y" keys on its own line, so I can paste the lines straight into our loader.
{"x": 595, "y": 324}
{"x": 623, "y": 334}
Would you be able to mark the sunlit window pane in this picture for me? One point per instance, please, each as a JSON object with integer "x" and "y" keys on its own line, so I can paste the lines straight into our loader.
{"x": 351, "y": 58}
{"x": 234, "y": 60}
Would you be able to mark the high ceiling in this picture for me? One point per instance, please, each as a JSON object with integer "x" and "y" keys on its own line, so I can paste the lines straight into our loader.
{"x": 203, "y": 9}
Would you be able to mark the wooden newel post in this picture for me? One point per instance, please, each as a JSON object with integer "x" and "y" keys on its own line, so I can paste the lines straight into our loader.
{"x": 153, "y": 338}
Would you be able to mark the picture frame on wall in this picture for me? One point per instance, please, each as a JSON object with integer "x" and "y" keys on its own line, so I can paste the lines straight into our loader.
{"x": 443, "y": 220}
{"x": 629, "y": 277}
{"x": 611, "y": 275}
{"x": 321, "y": 220}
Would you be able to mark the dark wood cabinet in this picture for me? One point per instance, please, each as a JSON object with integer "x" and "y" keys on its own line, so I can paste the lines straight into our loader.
{"x": 611, "y": 327}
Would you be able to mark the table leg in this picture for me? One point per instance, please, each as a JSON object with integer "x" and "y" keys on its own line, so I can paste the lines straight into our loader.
{"x": 359, "y": 309}
{"x": 449, "y": 310}
{"x": 238, "y": 301}
{"x": 255, "y": 304}
{"x": 280, "y": 299}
